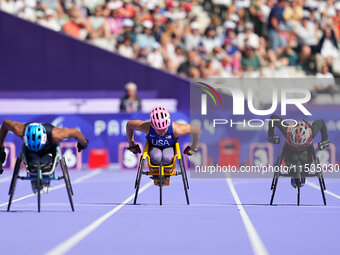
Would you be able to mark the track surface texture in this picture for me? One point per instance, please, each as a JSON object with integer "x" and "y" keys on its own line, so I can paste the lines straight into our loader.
{"x": 226, "y": 216}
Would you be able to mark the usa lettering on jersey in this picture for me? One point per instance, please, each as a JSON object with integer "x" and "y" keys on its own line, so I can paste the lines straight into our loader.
{"x": 156, "y": 142}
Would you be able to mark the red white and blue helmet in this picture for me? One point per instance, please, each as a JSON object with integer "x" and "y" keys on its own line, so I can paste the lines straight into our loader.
{"x": 300, "y": 135}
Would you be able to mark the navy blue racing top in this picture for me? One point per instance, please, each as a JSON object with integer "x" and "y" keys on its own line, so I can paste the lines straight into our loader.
{"x": 168, "y": 140}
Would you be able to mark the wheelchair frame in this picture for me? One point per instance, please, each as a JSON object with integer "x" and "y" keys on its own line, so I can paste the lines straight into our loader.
{"x": 277, "y": 174}
{"x": 161, "y": 171}
{"x": 41, "y": 176}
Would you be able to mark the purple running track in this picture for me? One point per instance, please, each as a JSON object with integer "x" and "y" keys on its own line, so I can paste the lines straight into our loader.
{"x": 212, "y": 224}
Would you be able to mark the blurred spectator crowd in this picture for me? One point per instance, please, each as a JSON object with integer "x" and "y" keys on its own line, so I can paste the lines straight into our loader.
{"x": 235, "y": 39}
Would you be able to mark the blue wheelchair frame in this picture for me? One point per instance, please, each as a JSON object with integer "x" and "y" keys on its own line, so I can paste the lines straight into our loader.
{"x": 40, "y": 176}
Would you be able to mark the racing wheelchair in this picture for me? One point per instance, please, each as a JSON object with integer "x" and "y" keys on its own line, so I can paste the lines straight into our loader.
{"x": 299, "y": 172}
{"x": 161, "y": 174}
{"x": 41, "y": 176}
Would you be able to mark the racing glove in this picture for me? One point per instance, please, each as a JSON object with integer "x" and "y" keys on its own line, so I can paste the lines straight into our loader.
{"x": 2, "y": 158}
{"x": 324, "y": 144}
{"x": 135, "y": 149}
{"x": 188, "y": 149}
{"x": 274, "y": 139}
{"x": 82, "y": 147}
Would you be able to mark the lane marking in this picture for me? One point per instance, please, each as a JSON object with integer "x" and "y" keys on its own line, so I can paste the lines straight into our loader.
{"x": 93, "y": 173}
{"x": 255, "y": 240}
{"x": 76, "y": 181}
{"x": 326, "y": 191}
{"x": 80, "y": 235}
{"x": 5, "y": 179}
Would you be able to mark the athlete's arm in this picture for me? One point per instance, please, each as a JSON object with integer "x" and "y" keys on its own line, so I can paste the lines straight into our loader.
{"x": 276, "y": 121}
{"x": 187, "y": 129}
{"x": 8, "y": 125}
{"x": 60, "y": 134}
{"x": 138, "y": 125}
{"x": 319, "y": 125}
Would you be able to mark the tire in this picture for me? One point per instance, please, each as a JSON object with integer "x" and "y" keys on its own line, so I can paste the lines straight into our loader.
{"x": 298, "y": 191}
{"x": 275, "y": 181}
{"x": 67, "y": 184}
{"x": 138, "y": 172}
{"x": 185, "y": 180}
{"x": 13, "y": 183}
{"x": 322, "y": 190}
{"x": 67, "y": 173}
{"x": 160, "y": 183}
{"x": 139, "y": 175}
{"x": 15, "y": 174}
{"x": 38, "y": 187}
{"x": 185, "y": 172}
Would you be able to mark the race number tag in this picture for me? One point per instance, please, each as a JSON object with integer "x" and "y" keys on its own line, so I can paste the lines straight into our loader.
{"x": 261, "y": 154}
{"x": 10, "y": 156}
{"x": 126, "y": 159}
{"x": 72, "y": 156}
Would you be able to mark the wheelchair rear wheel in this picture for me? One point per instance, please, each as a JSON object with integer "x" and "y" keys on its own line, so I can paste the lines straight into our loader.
{"x": 185, "y": 179}
{"x": 67, "y": 183}
{"x": 138, "y": 179}
{"x": 298, "y": 187}
{"x": 274, "y": 185}
{"x": 63, "y": 162}
{"x": 13, "y": 182}
{"x": 138, "y": 172}
{"x": 322, "y": 188}
{"x": 38, "y": 187}
{"x": 160, "y": 182}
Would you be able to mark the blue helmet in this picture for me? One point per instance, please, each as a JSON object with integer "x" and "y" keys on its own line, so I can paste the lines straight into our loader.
{"x": 35, "y": 136}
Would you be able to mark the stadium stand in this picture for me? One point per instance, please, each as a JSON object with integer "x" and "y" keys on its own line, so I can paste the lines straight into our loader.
{"x": 169, "y": 34}
{"x": 205, "y": 39}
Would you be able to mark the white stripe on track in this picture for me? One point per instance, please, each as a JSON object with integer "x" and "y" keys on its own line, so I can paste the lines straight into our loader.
{"x": 76, "y": 181}
{"x": 326, "y": 191}
{"x": 255, "y": 240}
{"x": 5, "y": 179}
{"x": 80, "y": 235}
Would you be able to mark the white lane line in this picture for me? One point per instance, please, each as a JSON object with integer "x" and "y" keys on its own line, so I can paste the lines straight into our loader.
{"x": 87, "y": 176}
{"x": 76, "y": 181}
{"x": 255, "y": 240}
{"x": 326, "y": 191}
{"x": 80, "y": 235}
{"x": 5, "y": 179}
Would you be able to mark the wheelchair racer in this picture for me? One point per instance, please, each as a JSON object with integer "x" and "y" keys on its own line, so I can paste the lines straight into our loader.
{"x": 299, "y": 140}
{"x": 162, "y": 134}
{"x": 41, "y": 140}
